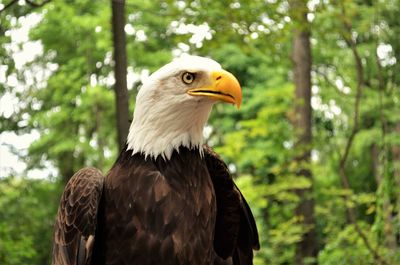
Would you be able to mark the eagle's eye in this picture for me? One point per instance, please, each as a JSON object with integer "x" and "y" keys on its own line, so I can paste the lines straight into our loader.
{"x": 188, "y": 78}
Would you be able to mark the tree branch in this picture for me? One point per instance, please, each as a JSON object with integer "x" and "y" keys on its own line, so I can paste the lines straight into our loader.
{"x": 11, "y": 3}
{"x": 35, "y": 5}
{"x": 29, "y": 2}
{"x": 344, "y": 157}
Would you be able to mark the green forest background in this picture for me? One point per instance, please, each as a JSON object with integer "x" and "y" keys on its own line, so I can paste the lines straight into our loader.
{"x": 330, "y": 198}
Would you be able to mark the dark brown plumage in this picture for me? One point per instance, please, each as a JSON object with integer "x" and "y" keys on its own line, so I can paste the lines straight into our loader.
{"x": 186, "y": 210}
{"x": 77, "y": 218}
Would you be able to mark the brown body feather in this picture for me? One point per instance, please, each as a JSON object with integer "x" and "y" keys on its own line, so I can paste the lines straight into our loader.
{"x": 186, "y": 210}
{"x": 77, "y": 218}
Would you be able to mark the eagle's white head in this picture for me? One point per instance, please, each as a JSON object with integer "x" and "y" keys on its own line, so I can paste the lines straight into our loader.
{"x": 174, "y": 104}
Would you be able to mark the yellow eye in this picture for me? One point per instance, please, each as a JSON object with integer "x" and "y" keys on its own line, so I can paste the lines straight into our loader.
{"x": 188, "y": 78}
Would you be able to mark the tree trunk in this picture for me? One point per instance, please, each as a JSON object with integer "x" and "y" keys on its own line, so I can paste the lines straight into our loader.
{"x": 301, "y": 56}
{"x": 121, "y": 91}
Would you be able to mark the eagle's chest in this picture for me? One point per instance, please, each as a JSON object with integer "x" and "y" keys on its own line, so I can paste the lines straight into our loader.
{"x": 158, "y": 211}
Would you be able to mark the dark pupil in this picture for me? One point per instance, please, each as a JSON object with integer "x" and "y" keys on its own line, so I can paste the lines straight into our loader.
{"x": 188, "y": 77}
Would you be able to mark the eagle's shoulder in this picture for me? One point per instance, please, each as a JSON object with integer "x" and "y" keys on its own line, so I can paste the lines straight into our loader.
{"x": 236, "y": 232}
{"x": 77, "y": 218}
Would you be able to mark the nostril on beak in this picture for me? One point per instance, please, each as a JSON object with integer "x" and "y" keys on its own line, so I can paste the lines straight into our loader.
{"x": 218, "y": 78}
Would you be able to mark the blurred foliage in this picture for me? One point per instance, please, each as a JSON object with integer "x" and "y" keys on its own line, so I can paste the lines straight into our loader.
{"x": 65, "y": 94}
{"x": 26, "y": 220}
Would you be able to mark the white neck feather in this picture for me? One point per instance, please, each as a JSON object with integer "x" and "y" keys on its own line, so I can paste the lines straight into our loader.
{"x": 162, "y": 129}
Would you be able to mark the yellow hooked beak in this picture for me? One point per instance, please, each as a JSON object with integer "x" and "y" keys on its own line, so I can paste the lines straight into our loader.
{"x": 224, "y": 86}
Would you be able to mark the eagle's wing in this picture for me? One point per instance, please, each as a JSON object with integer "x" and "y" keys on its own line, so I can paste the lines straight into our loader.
{"x": 236, "y": 232}
{"x": 77, "y": 217}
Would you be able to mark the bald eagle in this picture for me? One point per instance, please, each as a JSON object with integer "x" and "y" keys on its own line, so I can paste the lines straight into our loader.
{"x": 168, "y": 199}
